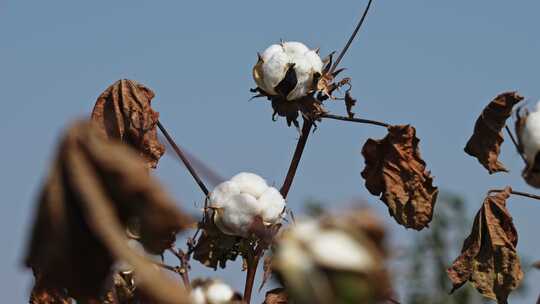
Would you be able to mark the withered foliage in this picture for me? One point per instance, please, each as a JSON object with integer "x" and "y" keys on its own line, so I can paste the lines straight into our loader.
{"x": 214, "y": 248}
{"x": 531, "y": 172}
{"x": 123, "y": 111}
{"x": 395, "y": 171}
{"x": 42, "y": 294}
{"x": 94, "y": 188}
{"x": 276, "y": 296}
{"x": 485, "y": 143}
{"x": 488, "y": 258}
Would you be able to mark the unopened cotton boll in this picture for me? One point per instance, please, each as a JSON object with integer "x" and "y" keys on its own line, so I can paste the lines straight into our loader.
{"x": 240, "y": 200}
{"x": 530, "y": 135}
{"x": 276, "y": 60}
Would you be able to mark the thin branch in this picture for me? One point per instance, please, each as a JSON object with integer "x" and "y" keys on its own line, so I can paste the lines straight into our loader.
{"x": 358, "y": 120}
{"x": 515, "y": 143}
{"x": 519, "y": 193}
{"x": 252, "y": 265}
{"x": 184, "y": 159}
{"x": 306, "y": 129}
{"x": 355, "y": 32}
{"x": 184, "y": 268}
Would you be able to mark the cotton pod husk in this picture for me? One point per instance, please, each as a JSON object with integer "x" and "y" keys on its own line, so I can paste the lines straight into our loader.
{"x": 485, "y": 142}
{"x": 330, "y": 261}
{"x": 531, "y": 172}
{"x": 94, "y": 187}
{"x": 395, "y": 171}
{"x": 489, "y": 259}
{"x": 123, "y": 112}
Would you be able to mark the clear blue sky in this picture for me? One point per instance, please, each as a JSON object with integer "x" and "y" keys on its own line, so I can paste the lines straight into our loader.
{"x": 434, "y": 64}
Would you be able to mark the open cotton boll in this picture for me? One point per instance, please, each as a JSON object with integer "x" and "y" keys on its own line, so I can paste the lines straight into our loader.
{"x": 238, "y": 202}
{"x": 250, "y": 183}
{"x": 275, "y": 61}
{"x": 338, "y": 250}
{"x": 530, "y": 135}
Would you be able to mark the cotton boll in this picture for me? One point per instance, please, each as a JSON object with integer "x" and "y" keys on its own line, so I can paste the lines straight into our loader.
{"x": 219, "y": 293}
{"x": 275, "y": 61}
{"x": 338, "y": 250}
{"x": 250, "y": 183}
{"x": 530, "y": 135}
{"x": 222, "y": 193}
{"x": 273, "y": 204}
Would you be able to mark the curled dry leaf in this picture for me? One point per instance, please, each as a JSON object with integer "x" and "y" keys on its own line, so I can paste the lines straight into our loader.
{"x": 276, "y": 296}
{"x": 95, "y": 187}
{"x": 395, "y": 171}
{"x": 123, "y": 112}
{"x": 488, "y": 258}
{"x": 485, "y": 143}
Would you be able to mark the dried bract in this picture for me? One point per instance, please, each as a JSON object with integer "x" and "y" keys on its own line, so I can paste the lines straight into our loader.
{"x": 395, "y": 171}
{"x": 488, "y": 258}
{"x": 485, "y": 143}
{"x": 123, "y": 111}
{"x": 95, "y": 187}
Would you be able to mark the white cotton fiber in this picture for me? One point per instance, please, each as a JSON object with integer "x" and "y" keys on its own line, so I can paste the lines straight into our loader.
{"x": 239, "y": 201}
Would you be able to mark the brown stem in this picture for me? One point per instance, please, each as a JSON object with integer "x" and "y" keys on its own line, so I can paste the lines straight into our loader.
{"x": 358, "y": 120}
{"x": 519, "y": 193}
{"x": 306, "y": 129}
{"x": 355, "y": 32}
{"x": 183, "y": 270}
{"x": 183, "y": 157}
{"x": 515, "y": 143}
{"x": 252, "y": 265}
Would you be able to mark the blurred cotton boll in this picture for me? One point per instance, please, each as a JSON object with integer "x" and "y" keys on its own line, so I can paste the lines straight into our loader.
{"x": 275, "y": 62}
{"x": 213, "y": 292}
{"x": 237, "y": 204}
{"x": 331, "y": 260}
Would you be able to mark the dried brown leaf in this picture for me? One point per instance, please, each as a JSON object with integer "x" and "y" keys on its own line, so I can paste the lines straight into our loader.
{"x": 485, "y": 143}
{"x": 488, "y": 258}
{"x": 395, "y": 171}
{"x": 94, "y": 189}
{"x": 123, "y": 111}
{"x": 276, "y": 296}
{"x": 44, "y": 294}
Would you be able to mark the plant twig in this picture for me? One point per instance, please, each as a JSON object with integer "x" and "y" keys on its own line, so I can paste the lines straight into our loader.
{"x": 184, "y": 159}
{"x": 353, "y": 35}
{"x": 358, "y": 120}
{"x": 183, "y": 270}
{"x": 519, "y": 193}
{"x": 515, "y": 143}
{"x": 306, "y": 129}
{"x": 252, "y": 265}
